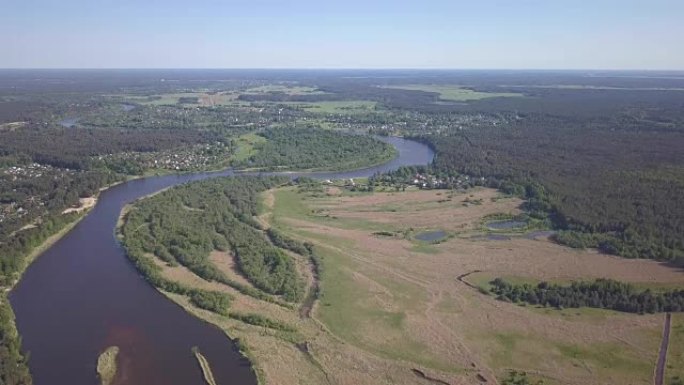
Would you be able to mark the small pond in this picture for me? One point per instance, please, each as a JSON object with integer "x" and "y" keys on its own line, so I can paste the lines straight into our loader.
{"x": 431, "y": 236}
{"x": 539, "y": 234}
{"x": 506, "y": 225}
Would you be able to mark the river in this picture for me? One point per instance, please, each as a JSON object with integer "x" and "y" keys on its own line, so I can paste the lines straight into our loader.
{"x": 82, "y": 295}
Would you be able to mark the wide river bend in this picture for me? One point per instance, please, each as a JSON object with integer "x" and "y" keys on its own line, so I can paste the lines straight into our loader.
{"x": 83, "y": 295}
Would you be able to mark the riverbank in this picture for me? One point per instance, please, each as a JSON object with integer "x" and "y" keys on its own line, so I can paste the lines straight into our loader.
{"x": 11, "y": 339}
{"x": 87, "y": 205}
{"x": 13, "y": 358}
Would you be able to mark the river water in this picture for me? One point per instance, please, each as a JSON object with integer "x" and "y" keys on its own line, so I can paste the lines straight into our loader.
{"x": 83, "y": 295}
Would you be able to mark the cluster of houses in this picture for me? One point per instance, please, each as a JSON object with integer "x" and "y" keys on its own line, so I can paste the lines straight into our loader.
{"x": 33, "y": 170}
{"x": 14, "y": 210}
{"x": 428, "y": 181}
{"x": 194, "y": 158}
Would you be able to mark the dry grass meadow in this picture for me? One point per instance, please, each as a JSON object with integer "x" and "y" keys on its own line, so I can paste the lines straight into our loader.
{"x": 392, "y": 305}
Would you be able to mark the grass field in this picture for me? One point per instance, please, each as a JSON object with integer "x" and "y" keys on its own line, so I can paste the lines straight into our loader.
{"x": 203, "y": 99}
{"x": 245, "y": 146}
{"x": 337, "y": 107}
{"x": 675, "y": 353}
{"x": 455, "y": 93}
{"x": 398, "y": 299}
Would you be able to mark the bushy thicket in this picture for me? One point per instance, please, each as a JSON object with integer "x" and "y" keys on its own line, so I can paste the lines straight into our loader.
{"x": 259, "y": 320}
{"x": 519, "y": 378}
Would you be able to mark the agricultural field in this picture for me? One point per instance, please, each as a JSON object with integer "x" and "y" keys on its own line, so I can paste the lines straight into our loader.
{"x": 200, "y": 99}
{"x": 245, "y": 146}
{"x": 456, "y": 93}
{"x": 288, "y": 89}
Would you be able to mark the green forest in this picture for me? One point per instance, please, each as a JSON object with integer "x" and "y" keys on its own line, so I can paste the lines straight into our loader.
{"x": 601, "y": 293}
{"x": 317, "y": 149}
{"x": 185, "y": 224}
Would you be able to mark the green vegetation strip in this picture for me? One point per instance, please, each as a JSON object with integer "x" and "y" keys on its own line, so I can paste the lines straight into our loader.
{"x": 106, "y": 365}
{"x": 259, "y": 320}
{"x": 602, "y": 293}
{"x": 455, "y": 92}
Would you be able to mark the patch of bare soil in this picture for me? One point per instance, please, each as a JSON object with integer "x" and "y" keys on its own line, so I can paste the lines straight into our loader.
{"x": 333, "y": 191}
{"x": 83, "y": 204}
{"x": 225, "y": 262}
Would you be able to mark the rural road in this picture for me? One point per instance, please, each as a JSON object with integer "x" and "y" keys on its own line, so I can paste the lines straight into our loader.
{"x": 659, "y": 374}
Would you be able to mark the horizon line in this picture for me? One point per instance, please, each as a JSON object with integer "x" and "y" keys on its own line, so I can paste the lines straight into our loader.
{"x": 338, "y": 69}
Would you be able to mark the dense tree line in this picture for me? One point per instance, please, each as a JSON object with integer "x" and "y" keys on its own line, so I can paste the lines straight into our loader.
{"x": 185, "y": 224}
{"x": 310, "y": 149}
{"x": 602, "y": 293}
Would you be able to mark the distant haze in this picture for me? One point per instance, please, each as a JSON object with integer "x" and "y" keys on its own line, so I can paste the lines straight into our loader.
{"x": 489, "y": 34}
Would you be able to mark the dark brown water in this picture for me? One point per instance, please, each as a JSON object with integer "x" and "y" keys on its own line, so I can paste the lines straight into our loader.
{"x": 83, "y": 295}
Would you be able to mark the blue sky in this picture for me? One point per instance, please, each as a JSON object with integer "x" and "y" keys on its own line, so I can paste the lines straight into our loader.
{"x": 507, "y": 34}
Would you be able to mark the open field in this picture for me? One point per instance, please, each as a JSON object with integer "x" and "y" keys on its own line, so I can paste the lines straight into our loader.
{"x": 285, "y": 89}
{"x": 245, "y": 146}
{"x": 337, "y": 107}
{"x": 392, "y": 299}
{"x": 454, "y": 92}
{"x": 203, "y": 99}
{"x": 392, "y": 304}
